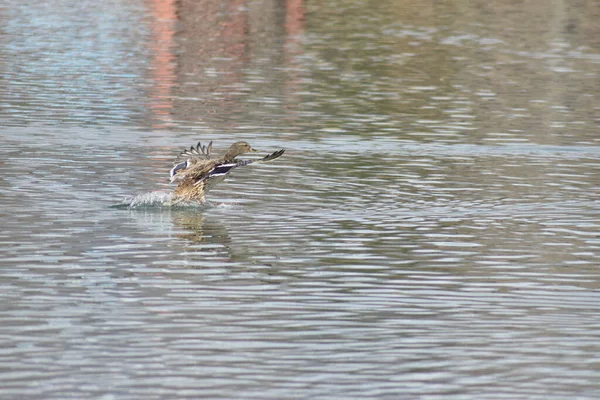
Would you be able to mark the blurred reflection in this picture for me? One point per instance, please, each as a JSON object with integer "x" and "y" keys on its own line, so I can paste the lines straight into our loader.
{"x": 211, "y": 58}
{"x": 491, "y": 72}
{"x": 212, "y": 45}
{"x": 162, "y": 70}
{"x": 294, "y": 25}
{"x": 205, "y": 239}
{"x": 200, "y": 228}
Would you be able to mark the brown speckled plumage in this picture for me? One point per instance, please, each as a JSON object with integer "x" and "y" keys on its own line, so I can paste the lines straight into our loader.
{"x": 199, "y": 172}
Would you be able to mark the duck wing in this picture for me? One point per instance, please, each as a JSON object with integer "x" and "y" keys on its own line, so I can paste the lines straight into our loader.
{"x": 212, "y": 171}
{"x": 191, "y": 155}
{"x": 271, "y": 156}
{"x": 218, "y": 171}
{"x": 199, "y": 151}
{"x": 201, "y": 170}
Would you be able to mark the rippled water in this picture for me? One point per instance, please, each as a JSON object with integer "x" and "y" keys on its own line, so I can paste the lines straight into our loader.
{"x": 432, "y": 231}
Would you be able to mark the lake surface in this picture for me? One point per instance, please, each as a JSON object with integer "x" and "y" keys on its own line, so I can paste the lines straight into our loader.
{"x": 432, "y": 230}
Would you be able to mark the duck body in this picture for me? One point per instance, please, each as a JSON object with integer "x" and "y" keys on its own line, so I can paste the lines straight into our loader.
{"x": 199, "y": 173}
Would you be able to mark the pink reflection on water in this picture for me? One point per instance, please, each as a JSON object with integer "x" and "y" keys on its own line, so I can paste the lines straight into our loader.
{"x": 294, "y": 28}
{"x": 162, "y": 63}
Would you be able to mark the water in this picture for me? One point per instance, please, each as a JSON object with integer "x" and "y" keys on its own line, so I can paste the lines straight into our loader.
{"x": 432, "y": 230}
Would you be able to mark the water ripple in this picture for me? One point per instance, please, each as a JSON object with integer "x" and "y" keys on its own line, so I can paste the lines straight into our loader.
{"x": 430, "y": 232}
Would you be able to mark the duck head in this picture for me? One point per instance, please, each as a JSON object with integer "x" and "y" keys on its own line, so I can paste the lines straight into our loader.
{"x": 238, "y": 148}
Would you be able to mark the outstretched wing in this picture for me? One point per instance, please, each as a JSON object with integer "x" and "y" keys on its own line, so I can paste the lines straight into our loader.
{"x": 215, "y": 175}
{"x": 178, "y": 167}
{"x": 199, "y": 151}
{"x": 272, "y": 156}
{"x": 226, "y": 168}
{"x": 220, "y": 171}
{"x": 211, "y": 171}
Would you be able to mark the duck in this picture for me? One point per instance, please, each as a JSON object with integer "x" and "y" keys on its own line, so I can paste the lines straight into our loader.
{"x": 196, "y": 172}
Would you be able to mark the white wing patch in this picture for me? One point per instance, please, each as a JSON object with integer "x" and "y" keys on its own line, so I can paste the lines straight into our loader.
{"x": 177, "y": 167}
{"x": 218, "y": 172}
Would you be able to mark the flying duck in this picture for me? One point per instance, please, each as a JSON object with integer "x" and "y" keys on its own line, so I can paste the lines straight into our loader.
{"x": 196, "y": 172}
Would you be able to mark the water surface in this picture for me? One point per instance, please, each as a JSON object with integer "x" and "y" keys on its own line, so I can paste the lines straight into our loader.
{"x": 432, "y": 230}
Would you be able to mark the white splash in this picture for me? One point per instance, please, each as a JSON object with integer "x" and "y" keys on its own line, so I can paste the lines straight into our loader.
{"x": 157, "y": 199}
{"x": 162, "y": 199}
